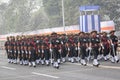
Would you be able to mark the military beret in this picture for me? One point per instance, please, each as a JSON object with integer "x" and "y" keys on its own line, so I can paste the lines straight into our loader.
{"x": 53, "y": 33}
{"x": 81, "y": 32}
{"x": 104, "y": 32}
{"x": 87, "y": 33}
{"x": 94, "y": 32}
{"x": 63, "y": 34}
{"x": 112, "y": 31}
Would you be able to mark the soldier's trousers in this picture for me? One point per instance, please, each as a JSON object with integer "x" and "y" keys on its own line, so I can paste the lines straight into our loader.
{"x": 32, "y": 57}
{"x": 63, "y": 52}
{"x": 95, "y": 52}
{"x": 113, "y": 50}
{"x": 24, "y": 56}
{"x": 8, "y": 54}
{"x": 42, "y": 55}
{"x": 105, "y": 50}
{"x": 76, "y": 52}
{"x": 27, "y": 57}
{"x": 55, "y": 54}
{"x": 101, "y": 51}
{"x": 11, "y": 54}
{"x": 83, "y": 52}
{"x": 47, "y": 54}
{"x": 38, "y": 56}
{"x": 72, "y": 51}
{"x": 20, "y": 56}
{"x": 15, "y": 55}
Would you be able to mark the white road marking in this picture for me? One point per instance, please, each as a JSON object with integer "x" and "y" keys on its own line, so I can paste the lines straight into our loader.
{"x": 78, "y": 64}
{"x": 73, "y": 71}
{"x": 100, "y": 66}
{"x": 45, "y": 75}
{"x": 15, "y": 77}
{"x": 5, "y": 67}
{"x": 111, "y": 67}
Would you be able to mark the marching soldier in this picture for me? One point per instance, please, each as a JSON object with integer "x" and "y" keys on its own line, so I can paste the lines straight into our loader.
{"x": 54, "y": 48}
{"x": 38, "y": 49}
{"x": 82, "y": 44}
{"x": 46, "y": 50}
{"x": 95, "y": 46}
{"x": 114, "y": 45}
{"x": 105, "y": 45}
{"x": 88, "y": 51}
{"x": 22, "y": 54}
{"x": 60, "y": 50}
{"x": 63, "y": 47}
{"x": 7, "y": 48}
{"x": 25, "y": 52}
{"x": 76, "y": 54}
{"x": 11, "y": 51}
{"x": 100, "y": 55}
{"x": 42, "y": 52}
{"x": 32, "y": 53}
{"x": 18, "y": 48}
{"x": 15, "y": 54}
{"x": 71, "y": 48}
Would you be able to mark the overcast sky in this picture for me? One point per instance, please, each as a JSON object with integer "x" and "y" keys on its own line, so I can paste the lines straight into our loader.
{"x": 4, "y": 1}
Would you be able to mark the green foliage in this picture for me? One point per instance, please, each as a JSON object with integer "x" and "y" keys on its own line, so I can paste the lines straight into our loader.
{"x": 26, "y": 15}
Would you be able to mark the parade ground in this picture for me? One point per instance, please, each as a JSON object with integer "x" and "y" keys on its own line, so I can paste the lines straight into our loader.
{"x": 67, "y": 71}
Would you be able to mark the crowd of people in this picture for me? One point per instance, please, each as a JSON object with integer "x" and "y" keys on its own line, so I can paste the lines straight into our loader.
{"x": 56, "y": 48}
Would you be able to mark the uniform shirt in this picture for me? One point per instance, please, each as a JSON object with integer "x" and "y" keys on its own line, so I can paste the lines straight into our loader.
{"x": 40, "y": 41}
{"x": 25, "y": 42}
{"x": 71, "y": 40}
{"x": 83, "y": 41}
{"x": 55, "y": 42}
{"x": 28, "y": 43}
{"x": 14, "y": 43}
{"x": 11, "y": 44}
{"x": 63, "y": 41}
{"x": 45, "y": 43}
{"x": 37, "y": 42}
{"x": 18, "y": 43}
{"x": 95, "y": 41}
{"x": 7, "y": 43}
{"x": 76, "y": 40}
{"x": 15, "y": 46}
{"x": 104, "y": 40}
{"x": 21, "y": 43}
{"x": 114, "y": 38}
{"x": 87, "y": 39}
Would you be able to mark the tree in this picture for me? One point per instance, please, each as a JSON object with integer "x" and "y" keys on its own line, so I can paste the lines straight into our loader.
{"x": 27, "y": 15}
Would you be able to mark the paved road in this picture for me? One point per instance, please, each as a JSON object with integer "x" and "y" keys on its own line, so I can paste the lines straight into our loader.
{"x": 67, "y": 71}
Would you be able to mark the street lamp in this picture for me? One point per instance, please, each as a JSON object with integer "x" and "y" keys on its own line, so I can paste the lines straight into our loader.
{"x": 63, "y": 15}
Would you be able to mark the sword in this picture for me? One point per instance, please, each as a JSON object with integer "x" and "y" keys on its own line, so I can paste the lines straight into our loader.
{"x": 51, "y": 55}
{"x": 78, "y": 54}
{"x": 113, "y": 49}
{"x": 89, "y": 54}
{"x": 68, "y": 52}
